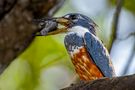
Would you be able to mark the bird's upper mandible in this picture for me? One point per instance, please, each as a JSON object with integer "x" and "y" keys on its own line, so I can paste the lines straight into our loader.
{"x": 89, "y": 56}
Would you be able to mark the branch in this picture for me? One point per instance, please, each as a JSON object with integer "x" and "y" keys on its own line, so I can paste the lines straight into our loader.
{"x": 115, "y": 83}
{"x": 115, "y": 23}
{"x": 129, "y": 35}
{"x": 16, "y": 27}
{"x": 6, "y": 6}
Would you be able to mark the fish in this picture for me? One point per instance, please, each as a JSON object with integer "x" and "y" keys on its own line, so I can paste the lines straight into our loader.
{"x": 45, "y": 25}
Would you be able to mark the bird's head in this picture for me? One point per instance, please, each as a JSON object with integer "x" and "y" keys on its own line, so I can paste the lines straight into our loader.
{"x": 69, "y": 21}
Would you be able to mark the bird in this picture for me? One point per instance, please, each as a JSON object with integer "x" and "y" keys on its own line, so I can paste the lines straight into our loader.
{"x": 89, "y": 56}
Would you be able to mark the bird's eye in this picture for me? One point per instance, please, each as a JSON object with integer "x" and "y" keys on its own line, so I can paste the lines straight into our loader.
{"x": 73, "y": 17}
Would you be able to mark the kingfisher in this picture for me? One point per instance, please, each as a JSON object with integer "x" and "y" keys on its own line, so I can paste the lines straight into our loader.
{"x": 88, "y": 54}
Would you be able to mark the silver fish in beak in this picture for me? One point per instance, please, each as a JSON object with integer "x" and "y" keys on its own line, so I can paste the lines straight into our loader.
{"x": 51, "y": 26}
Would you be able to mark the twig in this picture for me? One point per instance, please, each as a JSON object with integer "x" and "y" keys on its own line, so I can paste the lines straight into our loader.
{"x": 129, "y": 35}
{"x": 115, "y": 23}
{"x": 56, "y": 7}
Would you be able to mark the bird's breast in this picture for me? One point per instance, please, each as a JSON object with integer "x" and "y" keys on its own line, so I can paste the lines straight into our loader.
{"x": 83, "y": 63}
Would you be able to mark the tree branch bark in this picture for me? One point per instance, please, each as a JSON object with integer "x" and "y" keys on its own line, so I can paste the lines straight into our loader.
{"x": 115, "y": 83}
{"x": 16, "y": 27}
{"x": 6, "y": 6}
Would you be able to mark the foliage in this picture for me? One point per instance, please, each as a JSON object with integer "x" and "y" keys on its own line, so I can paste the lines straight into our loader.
{"x": 24, "y": 72}
{"x": 129, "y": 5}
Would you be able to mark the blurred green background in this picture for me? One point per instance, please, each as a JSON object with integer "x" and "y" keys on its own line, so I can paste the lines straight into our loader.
{"x": 45, "y": 65}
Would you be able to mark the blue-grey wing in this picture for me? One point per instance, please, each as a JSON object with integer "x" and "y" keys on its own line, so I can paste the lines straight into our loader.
{"x": 99, "y": 54}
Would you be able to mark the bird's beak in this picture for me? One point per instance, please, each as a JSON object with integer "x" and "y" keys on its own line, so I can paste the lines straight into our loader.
{"x": 54, "y": 26}
{"x": 63, "y": 21}
{"x": 62, "y": 26}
